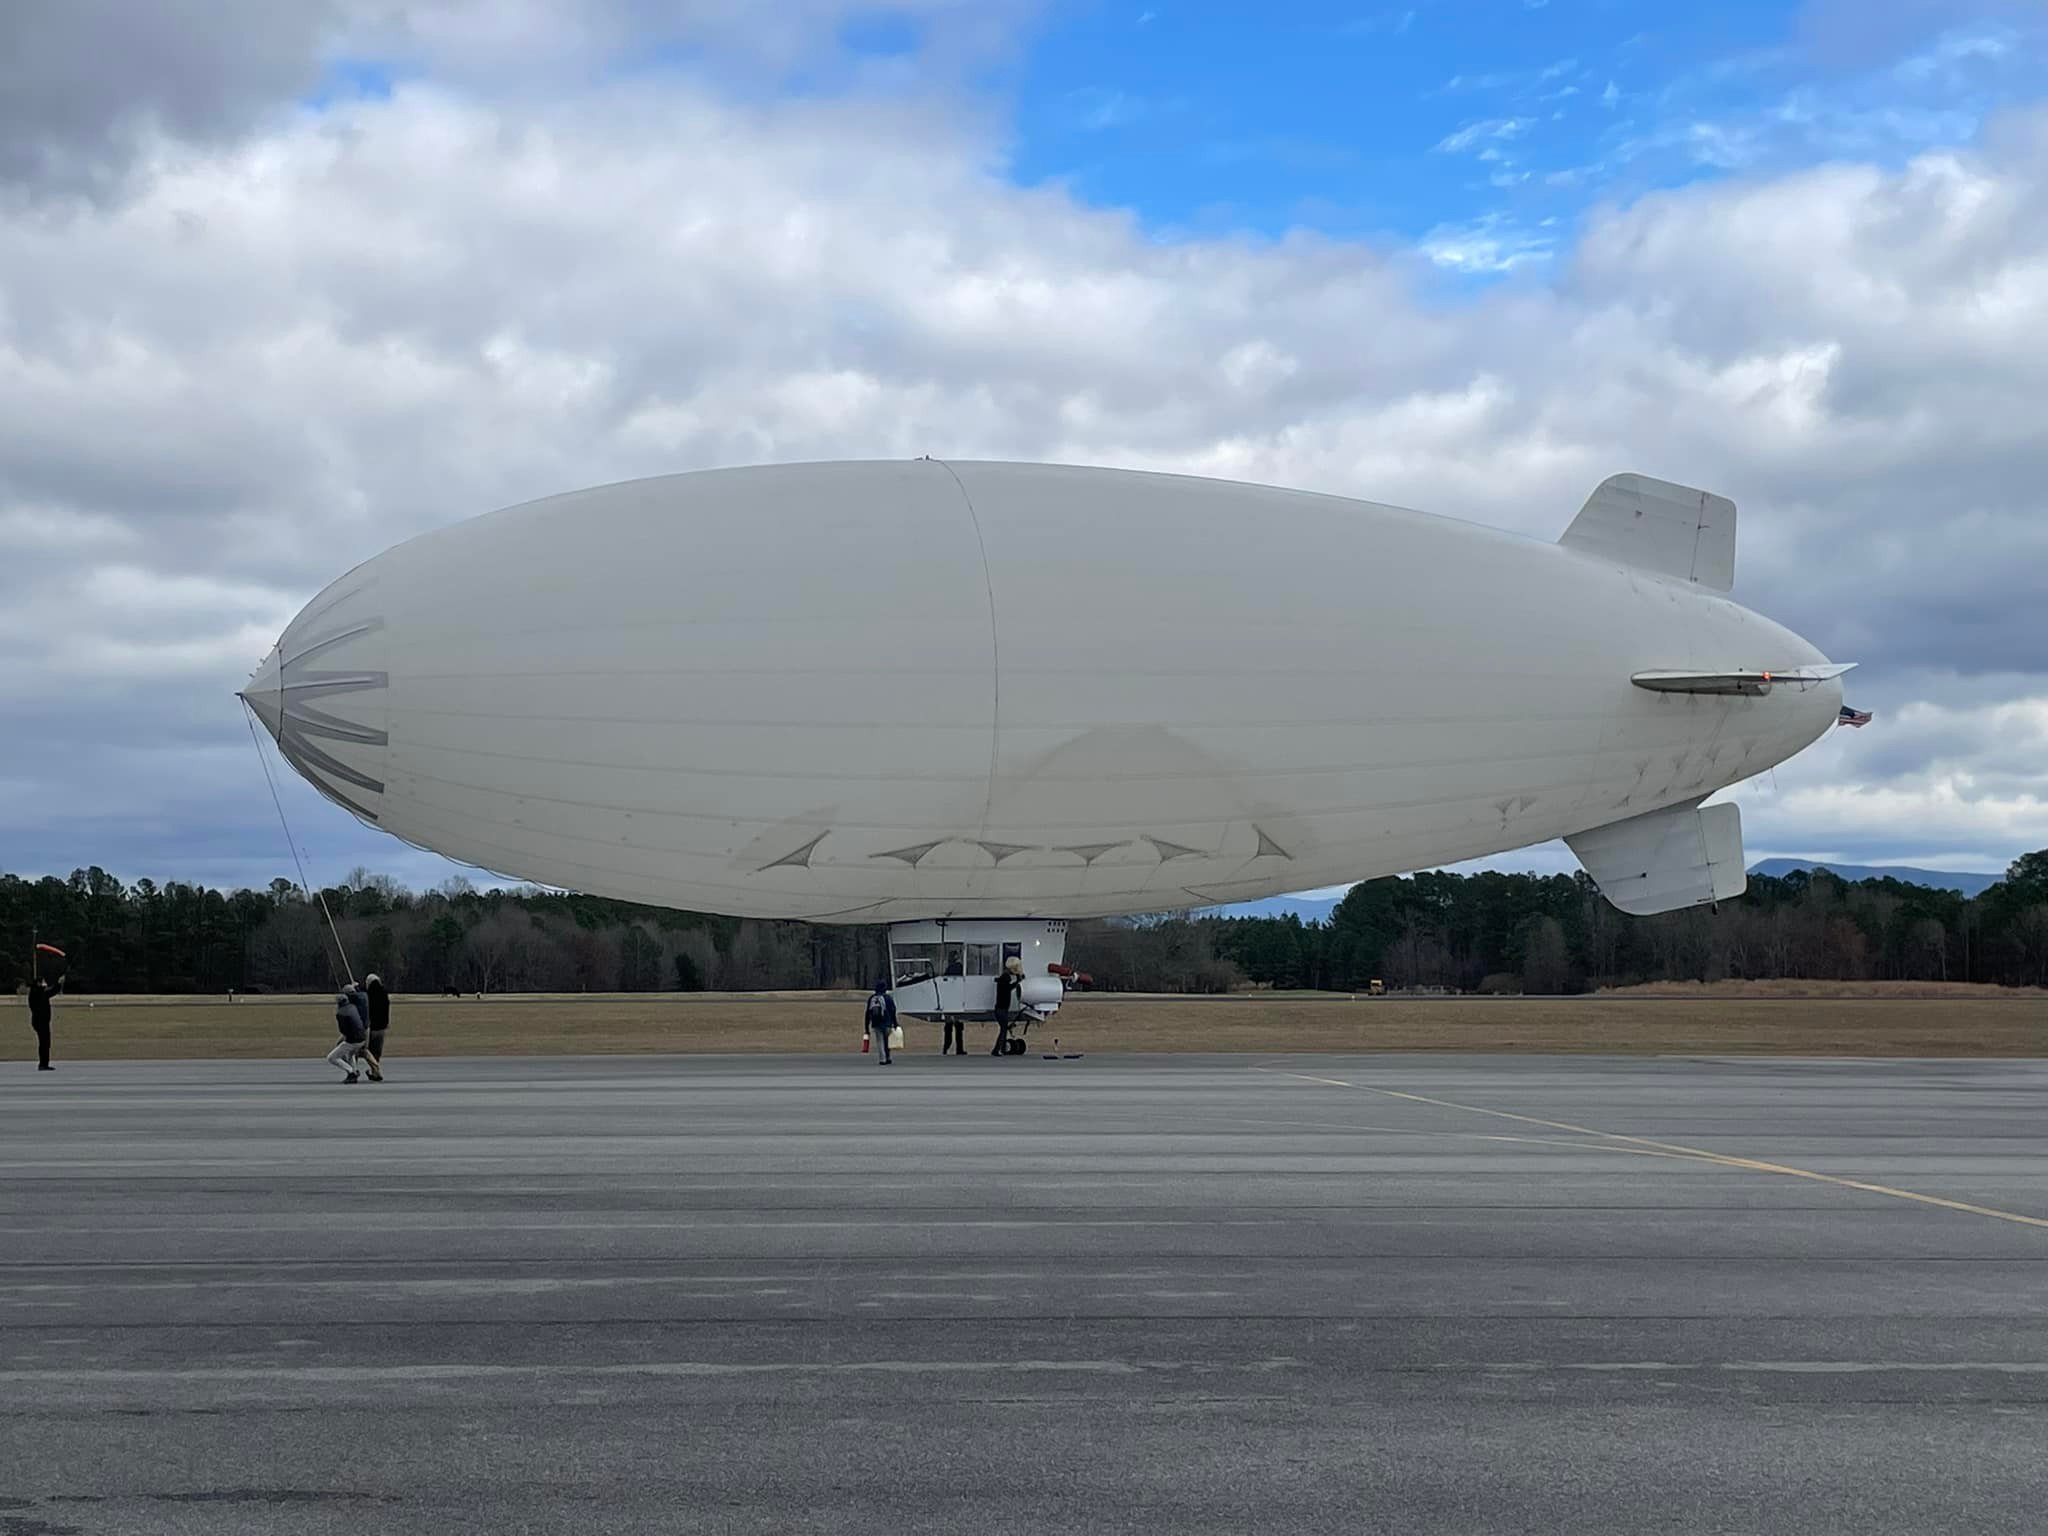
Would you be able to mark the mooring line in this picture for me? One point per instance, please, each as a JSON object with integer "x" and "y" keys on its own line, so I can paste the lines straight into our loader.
{"x": 292, "y": 843}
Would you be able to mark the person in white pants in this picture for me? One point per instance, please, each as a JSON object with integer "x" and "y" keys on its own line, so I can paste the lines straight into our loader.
{"x": 351, "y": 1013}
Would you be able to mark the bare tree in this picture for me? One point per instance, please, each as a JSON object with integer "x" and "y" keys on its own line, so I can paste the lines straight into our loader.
{"x": 1775, "y": 941}
{"x": 496, "y": 949}
{"x": 1882, "y": 910}
{"x": 643, "y": 960}
{"x": 1927, "y": 950}
{"x": 1418, "y": 957}
{"x": 2030, "y": 932}
{"x": 1546, "y": 963}
{"x": 291, "y": 949}
{"x": 696, "y": 958}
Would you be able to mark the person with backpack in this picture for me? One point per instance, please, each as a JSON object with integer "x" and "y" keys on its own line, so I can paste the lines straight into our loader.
{"x": 351, "y": 1015}
{"x": 881, "y": 1016}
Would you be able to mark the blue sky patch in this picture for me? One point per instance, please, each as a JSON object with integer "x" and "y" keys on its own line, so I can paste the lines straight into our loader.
{"x": 1480, "y": 129}
{"x": 344, "y": 80}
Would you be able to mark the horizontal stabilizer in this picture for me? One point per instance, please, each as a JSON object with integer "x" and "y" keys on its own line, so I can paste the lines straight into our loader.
{"x": 1682, "y": 856}
{"x": 1672, "y": 530}
{"x": 1753, "y": 682}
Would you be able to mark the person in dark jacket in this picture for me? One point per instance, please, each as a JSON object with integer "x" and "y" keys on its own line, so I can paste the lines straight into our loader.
{"x": 881, "y": 1017}
{"x": 351, "y": 1010}
{"x": 379, "y": 1021}
{"x": 1008, "y": 983}
{"x": 40, "y": 991}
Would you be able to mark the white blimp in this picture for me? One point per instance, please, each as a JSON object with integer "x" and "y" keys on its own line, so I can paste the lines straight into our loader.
{"x": 973, "y": 700}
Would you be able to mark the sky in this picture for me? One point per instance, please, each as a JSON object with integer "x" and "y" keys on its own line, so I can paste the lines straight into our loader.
{"x": 284, "y": 283}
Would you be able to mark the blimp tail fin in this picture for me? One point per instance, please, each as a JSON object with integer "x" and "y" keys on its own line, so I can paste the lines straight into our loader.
{"x": 1672, "y": 530}
{"x": 1682, "y": 856}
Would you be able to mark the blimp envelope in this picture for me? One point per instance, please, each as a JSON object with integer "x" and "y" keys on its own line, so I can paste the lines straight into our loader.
{"x": 895, "y": 690}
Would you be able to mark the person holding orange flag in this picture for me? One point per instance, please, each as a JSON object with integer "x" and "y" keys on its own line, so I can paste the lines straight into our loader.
{"x": 40, "y": 991}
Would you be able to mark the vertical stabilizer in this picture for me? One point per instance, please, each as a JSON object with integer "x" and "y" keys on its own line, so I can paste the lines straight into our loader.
{"x": 1654, "y": 525}
{"x": 1682, "y": 856}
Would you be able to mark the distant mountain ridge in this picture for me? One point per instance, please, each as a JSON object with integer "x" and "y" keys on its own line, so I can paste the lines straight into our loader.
{"x": 1965, "y": 881}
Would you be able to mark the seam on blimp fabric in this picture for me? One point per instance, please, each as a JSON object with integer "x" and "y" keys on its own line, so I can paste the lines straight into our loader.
{"x": 995, "y": 649}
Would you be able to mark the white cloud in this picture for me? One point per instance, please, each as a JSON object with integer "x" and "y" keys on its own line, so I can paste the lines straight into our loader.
{"x": 281, "y": 350}
{"x": 1480, "y": 135}
{"x": 1510, "y": 79}
{"x": 81, "y": 81}
{"x": 1955, "y": 48}
{"x": 1890, "y": 91}
{"x": 1491, "y": 244}
{"x": 1396, "y": 22}
{"x": 1097, "y": 110}
{"x": 87, "y": 85}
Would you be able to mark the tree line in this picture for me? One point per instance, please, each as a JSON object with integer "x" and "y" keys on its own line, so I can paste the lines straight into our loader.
{"x": 1496, "y": 932}
{"x": 1554, "y": 934}
{"x": 179, "y": 938}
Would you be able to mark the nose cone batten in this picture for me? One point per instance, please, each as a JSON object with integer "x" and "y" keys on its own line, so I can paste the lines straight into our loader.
{"x": 263, "y": 694}
{"x": 322, "y": 694}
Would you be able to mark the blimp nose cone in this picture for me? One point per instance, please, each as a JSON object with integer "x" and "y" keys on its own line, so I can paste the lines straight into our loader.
{"x": 264, "y": 695}
{"x": 321, "y": 694}
{"x": 1811, "y": 707}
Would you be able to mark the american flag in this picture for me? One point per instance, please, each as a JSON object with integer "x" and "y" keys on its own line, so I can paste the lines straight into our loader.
{"x": 1848, "y": 716}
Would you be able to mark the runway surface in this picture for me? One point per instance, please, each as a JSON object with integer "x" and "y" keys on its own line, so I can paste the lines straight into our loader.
{"x": 1413, "y": 1294}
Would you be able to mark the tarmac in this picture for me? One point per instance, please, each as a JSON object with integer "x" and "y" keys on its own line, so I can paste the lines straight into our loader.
{"x": 1198, "y": 1294}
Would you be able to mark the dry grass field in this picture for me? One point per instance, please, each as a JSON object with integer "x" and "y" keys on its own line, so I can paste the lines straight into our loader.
{"x": 1903, "y": 991}
{"x": 1865, "y": 1020}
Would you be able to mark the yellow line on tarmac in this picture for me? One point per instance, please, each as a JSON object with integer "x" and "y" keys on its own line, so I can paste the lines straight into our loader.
{"x": 1676, "y": 1149}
